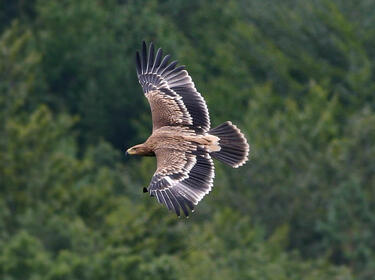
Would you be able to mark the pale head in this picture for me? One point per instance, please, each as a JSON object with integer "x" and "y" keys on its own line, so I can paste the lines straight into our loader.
{"x": 140, "y": 149}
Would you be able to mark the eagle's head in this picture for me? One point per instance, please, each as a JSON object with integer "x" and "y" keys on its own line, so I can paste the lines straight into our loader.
{"x": 140, "y": 149}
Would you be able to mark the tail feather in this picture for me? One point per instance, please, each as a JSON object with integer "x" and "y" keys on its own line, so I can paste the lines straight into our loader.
{"x": 234, "y": 149}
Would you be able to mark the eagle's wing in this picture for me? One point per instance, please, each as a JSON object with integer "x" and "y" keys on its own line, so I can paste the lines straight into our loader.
{"x": 182, "y": 178}
{"x": 170, "y": 91}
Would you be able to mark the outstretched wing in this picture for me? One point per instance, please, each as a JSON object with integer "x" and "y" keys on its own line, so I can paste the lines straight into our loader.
{"x": 182, "y": 178}
{"x": 170, "y": 91}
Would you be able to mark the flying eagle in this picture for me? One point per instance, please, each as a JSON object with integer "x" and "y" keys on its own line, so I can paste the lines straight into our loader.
{"x": 181, "y": 138}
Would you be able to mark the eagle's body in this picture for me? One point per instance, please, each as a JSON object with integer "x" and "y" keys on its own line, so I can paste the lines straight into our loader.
{"x": 176, "y": 137}
{"x": 182, "y": 140}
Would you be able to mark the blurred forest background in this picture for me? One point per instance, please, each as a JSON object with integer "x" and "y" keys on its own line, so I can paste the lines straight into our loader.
{"x": 298, "y": 77}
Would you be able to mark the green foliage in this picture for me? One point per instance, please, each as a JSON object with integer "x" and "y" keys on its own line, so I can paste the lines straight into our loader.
{"x": 298, "y": 79}
{"x": 309, "y": 162}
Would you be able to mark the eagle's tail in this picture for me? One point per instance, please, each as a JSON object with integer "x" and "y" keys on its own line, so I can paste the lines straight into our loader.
{"x": 234, "y": 148}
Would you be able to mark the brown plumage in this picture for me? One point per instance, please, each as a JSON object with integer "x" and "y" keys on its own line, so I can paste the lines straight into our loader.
{"x": 181, "y": 138}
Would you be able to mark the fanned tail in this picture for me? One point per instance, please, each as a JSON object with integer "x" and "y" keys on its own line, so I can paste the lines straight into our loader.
{"x": 234, "y": 147}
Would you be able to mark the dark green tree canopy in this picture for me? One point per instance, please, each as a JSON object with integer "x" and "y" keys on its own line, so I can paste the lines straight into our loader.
{"x": 298, "y": 78}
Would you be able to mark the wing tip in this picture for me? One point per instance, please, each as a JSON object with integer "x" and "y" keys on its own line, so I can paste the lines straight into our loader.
{"x": 138, "y": 63}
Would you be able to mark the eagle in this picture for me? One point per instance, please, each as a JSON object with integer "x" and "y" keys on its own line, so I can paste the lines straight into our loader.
{"x": 182, "y": 139}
